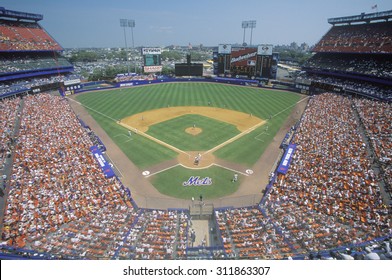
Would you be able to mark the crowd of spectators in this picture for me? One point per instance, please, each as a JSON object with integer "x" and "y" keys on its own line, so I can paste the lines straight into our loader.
{"x": 60, "y": 203}
{"x": 330, "y": 195}
{"x": 11, "y": 87}
{"x": 359, "y": 38}
{"x": 360, "y": 87}
{"x": 97, "y": 235}
{"x": 21, "y": 63}
{"x": 27, "y": 84}
{"x": 158, "y": 234}
{"x": 9, "y": 112}
{"x": 55, "y": 179}
{"x": 25, "y": 36}
{"x": 379, "y": 66}
{"x": 355, "y": 57}
{"x": 376, "y": 117}
{"x": 248, "y": 234}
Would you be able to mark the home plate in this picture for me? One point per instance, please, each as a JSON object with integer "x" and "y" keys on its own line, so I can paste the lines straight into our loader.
{"x": 146, "y": 173}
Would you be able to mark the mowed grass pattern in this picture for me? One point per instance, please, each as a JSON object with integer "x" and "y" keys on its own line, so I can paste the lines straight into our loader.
{"x": 213, "y": 133}
{"x": 171, "y": 183}
{"x": 110, "y": 105}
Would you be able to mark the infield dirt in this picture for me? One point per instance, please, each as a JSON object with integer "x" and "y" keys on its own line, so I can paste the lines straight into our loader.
{"x": 142, "y": 121}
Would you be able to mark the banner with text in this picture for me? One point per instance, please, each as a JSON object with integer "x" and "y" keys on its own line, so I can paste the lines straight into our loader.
{"x": 106, "y": 168}
{"x": 286, "y": 159}
{"x": 243, "y": 57}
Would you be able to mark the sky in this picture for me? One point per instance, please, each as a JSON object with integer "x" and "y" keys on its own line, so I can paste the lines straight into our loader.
{"x": 96, "y": 23}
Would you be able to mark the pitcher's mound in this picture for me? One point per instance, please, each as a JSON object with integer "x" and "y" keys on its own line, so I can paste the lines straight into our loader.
{"x": 193, "y": 130}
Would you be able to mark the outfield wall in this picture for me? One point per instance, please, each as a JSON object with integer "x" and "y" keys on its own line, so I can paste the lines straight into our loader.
{"x": 229, "y": 81}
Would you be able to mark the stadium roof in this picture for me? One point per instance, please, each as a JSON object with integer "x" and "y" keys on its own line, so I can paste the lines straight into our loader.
{"x": 386, "y": 16}
{"x": 4, "y": 13}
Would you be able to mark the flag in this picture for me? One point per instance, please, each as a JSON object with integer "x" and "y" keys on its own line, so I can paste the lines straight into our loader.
{"x": 374, "y": 7}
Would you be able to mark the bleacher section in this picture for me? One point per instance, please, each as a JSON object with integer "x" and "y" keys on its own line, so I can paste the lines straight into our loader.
{"x": 248, "y": 234}
{"x": 377, "y": 66}
{"x": 62, "y": 206}
{"x": 28, "y": 62}
{"x": 357, "y": 53}
{"x": 25, "y": 36}
{"x": 358, "y": 38}
{"x": 331, "y": 195}
{"x": 331, "y": 198}
{"x": 8, "y": 109}
{"x": 30, "y": 58}
{"x": 375, "y": 117}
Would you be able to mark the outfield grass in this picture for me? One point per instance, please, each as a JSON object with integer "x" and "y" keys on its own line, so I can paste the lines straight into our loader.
{"x": 171, "y": 183}
{"x": 108, "y": 106}
{"x": 213, "y": 133}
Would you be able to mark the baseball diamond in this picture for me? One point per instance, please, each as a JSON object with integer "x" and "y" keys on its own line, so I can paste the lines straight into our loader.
{"x": 161, "y": 119}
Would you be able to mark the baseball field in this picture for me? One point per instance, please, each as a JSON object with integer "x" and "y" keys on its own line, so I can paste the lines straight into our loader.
{"x": 192, "y": 139}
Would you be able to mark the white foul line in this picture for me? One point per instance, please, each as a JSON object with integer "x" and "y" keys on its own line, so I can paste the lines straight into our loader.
{"x": 92, "y": 109}
{"x": 165, "y": 169}
{"x": 224, "y": 167}
{"x": 179, "y": 164}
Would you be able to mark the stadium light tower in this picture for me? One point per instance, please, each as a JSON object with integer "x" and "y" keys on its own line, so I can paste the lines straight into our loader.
{"x": 124, "y": 24}
{"x": 131, "y": 24}
{"x": 245, "y": 25}
{"x": 252, "y": 24}
{"x": 248, "y": 24}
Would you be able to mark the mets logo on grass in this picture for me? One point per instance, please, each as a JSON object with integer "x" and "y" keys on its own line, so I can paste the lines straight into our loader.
{"x": 197, "y": 181}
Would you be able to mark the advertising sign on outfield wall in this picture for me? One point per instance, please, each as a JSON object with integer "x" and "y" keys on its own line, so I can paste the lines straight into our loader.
{"x": 152, "y": 69}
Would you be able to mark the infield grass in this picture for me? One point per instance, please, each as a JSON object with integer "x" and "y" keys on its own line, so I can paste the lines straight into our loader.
{"x": 213, "y": 133}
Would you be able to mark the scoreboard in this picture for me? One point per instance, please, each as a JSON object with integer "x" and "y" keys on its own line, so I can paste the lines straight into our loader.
{"x": 250, "y": 62}
{"x": 243, "y": 62}
{"x": 152, "y": 60}
{"x": 189, "y": 69}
